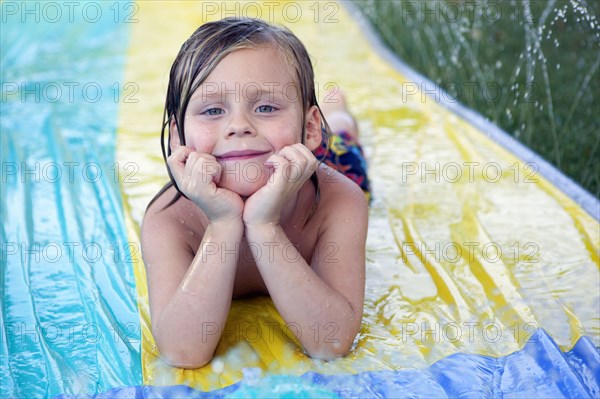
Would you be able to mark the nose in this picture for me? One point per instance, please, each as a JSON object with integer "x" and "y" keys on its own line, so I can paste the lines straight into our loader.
{"x": 239, "y": 125}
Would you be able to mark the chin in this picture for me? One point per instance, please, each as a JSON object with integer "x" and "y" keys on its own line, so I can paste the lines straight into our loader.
{"x": 242, "y": 189}
{"x": 243, "y": 180}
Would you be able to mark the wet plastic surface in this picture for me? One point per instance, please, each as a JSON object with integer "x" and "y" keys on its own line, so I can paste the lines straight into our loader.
{"x": 69, "y": 316}
{"x": 539, "y": 370}
{"x": 462, "y": 269}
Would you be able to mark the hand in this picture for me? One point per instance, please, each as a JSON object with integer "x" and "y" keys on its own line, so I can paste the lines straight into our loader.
{"x": 197, "y": 175}
{"x": 293, "y": 165}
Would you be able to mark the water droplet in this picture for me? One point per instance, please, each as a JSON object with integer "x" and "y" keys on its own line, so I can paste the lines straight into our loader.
{"x": 186, "y": 289}
{"x": 217, "y": 365}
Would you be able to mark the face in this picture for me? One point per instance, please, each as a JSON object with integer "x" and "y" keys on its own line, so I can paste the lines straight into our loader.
{"x": 247, "y": 109}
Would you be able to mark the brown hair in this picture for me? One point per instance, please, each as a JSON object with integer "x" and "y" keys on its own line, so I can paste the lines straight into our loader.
{"x": 203, "y": 51}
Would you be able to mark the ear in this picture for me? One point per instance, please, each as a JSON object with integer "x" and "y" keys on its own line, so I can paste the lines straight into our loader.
{"x": 174, "y": 141}
{"x": 312, "y": 126}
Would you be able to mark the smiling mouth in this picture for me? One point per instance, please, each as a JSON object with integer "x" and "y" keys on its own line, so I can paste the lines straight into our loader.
{"x": 240, "y": 155}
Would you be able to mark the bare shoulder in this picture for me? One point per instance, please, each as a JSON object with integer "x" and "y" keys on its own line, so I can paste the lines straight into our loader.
{"x": 158, "y": 214}
{"x": 343, "y": 207}
{"x": 180, "y": 222}
{"x": 340, "y": 195}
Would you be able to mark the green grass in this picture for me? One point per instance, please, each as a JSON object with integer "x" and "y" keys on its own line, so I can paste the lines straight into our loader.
{"x": 531, "y": 67}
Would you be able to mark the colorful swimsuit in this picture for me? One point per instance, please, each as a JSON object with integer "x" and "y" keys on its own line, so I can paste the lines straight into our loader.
{"x": 346, "y": 156}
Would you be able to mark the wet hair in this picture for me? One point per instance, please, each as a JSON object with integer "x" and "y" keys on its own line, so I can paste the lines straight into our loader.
{"x": 206, "y": 48}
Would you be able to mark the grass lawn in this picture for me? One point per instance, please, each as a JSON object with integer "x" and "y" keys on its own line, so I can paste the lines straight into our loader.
{"x": 530, "y": 66}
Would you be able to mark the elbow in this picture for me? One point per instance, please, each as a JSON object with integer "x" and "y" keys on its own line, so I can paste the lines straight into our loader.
{"x": 329, "y": 351}
{"x": 181, "y": 356}
{"x": 183, "y": 363}
{"x": 334, "y": 345}
{"x": 337, "y": 343}
{"x": 184, "y": 359}
{"x": 176, "y": 353}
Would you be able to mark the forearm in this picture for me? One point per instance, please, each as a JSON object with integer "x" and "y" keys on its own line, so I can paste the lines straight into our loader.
{"x": 189, "y": 327}
{"x": 326, "y": 321}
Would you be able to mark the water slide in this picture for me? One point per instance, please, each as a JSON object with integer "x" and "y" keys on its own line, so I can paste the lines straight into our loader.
{"x": 482, "y": 259}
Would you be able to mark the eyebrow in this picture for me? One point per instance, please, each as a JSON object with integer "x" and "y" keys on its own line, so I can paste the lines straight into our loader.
{"x": 248, "y": 91}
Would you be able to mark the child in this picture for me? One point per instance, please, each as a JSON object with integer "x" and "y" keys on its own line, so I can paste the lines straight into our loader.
{"x": 250, "y": 210}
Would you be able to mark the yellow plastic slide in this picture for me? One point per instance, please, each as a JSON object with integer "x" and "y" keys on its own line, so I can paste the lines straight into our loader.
{"x": 470, "y": 249}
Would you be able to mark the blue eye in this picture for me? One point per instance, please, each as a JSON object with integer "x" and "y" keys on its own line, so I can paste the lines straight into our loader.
{"x": 265, "y": 108}
{"x": 213, "y": 111}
